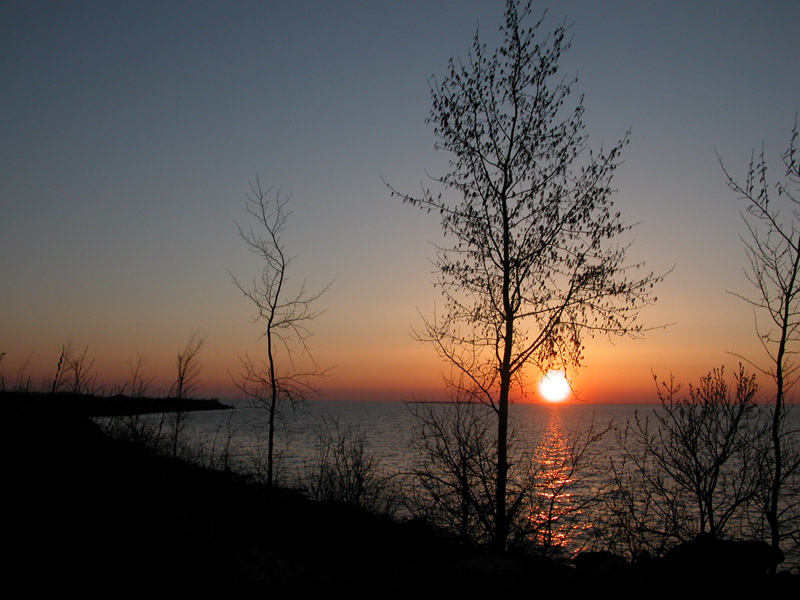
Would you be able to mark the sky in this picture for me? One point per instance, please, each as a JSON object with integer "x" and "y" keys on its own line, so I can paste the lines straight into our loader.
{"x": 129, "y": 133}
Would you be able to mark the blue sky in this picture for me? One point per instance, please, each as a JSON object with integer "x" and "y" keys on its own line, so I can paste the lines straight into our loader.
{"x": 130, "y": 131}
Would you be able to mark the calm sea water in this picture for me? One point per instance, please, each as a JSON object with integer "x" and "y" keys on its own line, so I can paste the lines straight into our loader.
{"x": 387, "y": 428}
{"x": 546, "y": 432}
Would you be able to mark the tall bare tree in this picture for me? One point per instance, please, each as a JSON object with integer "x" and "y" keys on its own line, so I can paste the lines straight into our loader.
{"x": 772, "y": 244}
{"x": 535, "y": 263}
{"x": 283, "y": 311}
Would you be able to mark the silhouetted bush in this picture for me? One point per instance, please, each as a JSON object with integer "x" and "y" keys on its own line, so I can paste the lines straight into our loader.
{"x": 347, "y": 471}
{"x": 694, "y": 465}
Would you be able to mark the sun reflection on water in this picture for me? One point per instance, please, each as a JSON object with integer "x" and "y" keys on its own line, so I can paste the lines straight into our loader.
{"x": 558, "y": 502}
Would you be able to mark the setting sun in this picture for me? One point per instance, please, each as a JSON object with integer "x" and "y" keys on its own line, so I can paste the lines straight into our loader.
{"x": 554, "y": 387}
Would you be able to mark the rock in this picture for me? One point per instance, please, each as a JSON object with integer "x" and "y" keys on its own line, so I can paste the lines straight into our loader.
{"x": 709, "y": 556}
{"x": 496, "y": 576}
{"x": 599, "y": 564}
{"x": 490, "y": 566}
{"x": 260, "y": 566}
{"x": 490, "y": 574}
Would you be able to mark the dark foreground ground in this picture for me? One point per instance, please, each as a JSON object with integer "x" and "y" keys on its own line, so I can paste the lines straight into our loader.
{"x": 95, "y": 515}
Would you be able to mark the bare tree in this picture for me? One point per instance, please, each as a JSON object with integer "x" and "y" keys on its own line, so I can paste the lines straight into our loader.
{"x": 535, "y": 264}
{"x": 23, "y": 381}
{"x": 187, "y": 380}
{"x": 635, "y": 516}
{"x": 66, "y": 351}
{"x": 140, "y": 381}
{"x": 551, "y": 484}
{"x": 81, "y": 378}
{"x": 221, "y": 460}
{"x": 74, "y": 371}
{"x": 284, "y": 313}
{"x": 451, "y": 481}
{"x": 346, "y": 470}
{"x": 693, "y": 465}
{"x": 188, "y": 368}
{"x": 772, "y": 244}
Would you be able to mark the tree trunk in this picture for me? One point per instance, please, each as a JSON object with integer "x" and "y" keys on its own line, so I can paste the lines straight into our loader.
{"x": 271, "y": 442}
{"x": 273, "y": 401}
{"x": 775, "y": 488}
{"x": 501, "y": 518}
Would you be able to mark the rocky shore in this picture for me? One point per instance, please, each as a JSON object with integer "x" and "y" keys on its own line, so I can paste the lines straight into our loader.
{"x": 90, "y": 513}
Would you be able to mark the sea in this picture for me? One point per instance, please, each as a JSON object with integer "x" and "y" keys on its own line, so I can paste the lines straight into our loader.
{"x": 548, "y": 436}
{"x": 388, "y": 429}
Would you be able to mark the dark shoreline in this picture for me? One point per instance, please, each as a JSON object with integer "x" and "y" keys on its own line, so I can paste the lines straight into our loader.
{"x": 86, "y": 405}
{"x": 92, "y": 513}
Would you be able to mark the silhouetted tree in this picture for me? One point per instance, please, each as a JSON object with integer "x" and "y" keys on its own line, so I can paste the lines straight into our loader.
{"x": 22, "y": 381}
{"x": 535, "y": 264}
{"x": 74, "y": 371}
{"x": 81, "y": 377}
{"x": 346, "y": 470}
{"x": 772, "y": 243}
{"x": 284, "y": 313}
{"x": 454, "y": 475}
{"x": 452, "y": 478}
{"x": 188, "y": 368}
{"x": 66, "y": 350}
{"x": 690, "y": 466}
{"x": 140, "y": 381}
{"x": 187, "y": 380}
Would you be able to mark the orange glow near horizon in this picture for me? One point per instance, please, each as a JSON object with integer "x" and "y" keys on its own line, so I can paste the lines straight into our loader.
{"x": 400, "y": 371}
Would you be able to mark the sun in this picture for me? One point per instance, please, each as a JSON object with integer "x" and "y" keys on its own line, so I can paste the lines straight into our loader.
{"x": 554, "y": 386}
